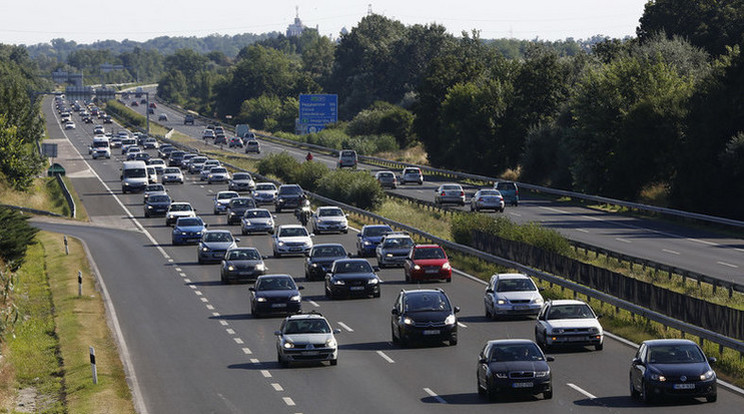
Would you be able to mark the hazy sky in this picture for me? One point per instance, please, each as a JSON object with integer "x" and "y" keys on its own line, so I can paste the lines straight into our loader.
{"x": 38, "y": 21}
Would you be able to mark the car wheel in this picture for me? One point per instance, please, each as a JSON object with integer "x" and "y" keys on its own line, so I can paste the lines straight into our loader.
{"x": 223, "y": 280}
{"x": 711, "y": 398}
{"x": 501, "y": 210}
{"x": 243, "y": 232}
{"x": 394, "y": 339}
{"x": 201, "y": 261}
{"x": 277, "y": 210}
{"x": 377, "y": 295}
{"x": 453, "y": 340}
{"x": 548, "y": 394}
{"x": 491, "y": 393}
{"x": 448, "y": 280}
{"x": 481, "y": 390}
{"x": 334, "y": 362}
{"x": 598, "y": 347}
{"x": 281, "y": 360}
{"x": 327, "y": 292}
{"x": 544, "y": 344}
{"x": 488, "y": 312}
{"x": 645, "y": 396}
{"x": 276, "y": 254}
{"x": 634, "y": 394}
{"x": 408, "y": 276}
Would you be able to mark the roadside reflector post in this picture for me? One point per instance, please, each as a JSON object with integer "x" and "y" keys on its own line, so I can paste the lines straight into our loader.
{"x": 93, "y": 364}
{"x": 80, "y": 283}
{"x": 67, "y": 251}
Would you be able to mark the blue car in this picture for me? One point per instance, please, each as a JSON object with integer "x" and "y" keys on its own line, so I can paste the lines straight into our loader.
{"x": 188, "y": 230}
{"x": 369, "y": 238}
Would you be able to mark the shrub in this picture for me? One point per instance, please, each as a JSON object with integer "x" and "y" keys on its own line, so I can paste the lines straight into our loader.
{"x": 281, "y": 165}
{"x": 308, "y": 174}
{"x": 129, "y": 117}
{"x": 357, "y": 188}
{"x": 17, "y": 235}
{"x": 383, "y": 118}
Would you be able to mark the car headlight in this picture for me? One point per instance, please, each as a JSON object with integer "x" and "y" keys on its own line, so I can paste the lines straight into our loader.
{"x": 260, "y": 267}
{"x": 232, "y": 213}
{"x": 295, "y": 298}
{"x": 501, "y": 302}
{"x": 537, "y": 300}
{"x": 408, "y": 321}
{"x": 658, "y": 377}
{"x": 260, "y": 299}
{"x": 541, "y": 374}
{"x": 198, "y": 233}
{"x": 446, "y": 266}
{"x": 231, "y": 268}
{"x": 183, "y": 233}
{"x": 388, "y": 255}
{"x": 708, "y": 375}
{"x": 367, "y": 243}
{"x": 338, "y": 282}
{"x": 557, "y": 331}
{"x": 450, "y": 320}
{"x": 280, "y": 243}
{"x": 331, "y": 343}
{"x": 288, "y": 345}
{"x": 373, "y": 281}
{"x": 205, "y": 249}
{"x": 500, "y": 374}
{"x": 416, "y": 267}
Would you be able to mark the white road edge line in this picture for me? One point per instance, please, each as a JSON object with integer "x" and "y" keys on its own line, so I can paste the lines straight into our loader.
{"x": 670, "y": 251}
{"x": 585, "y": 393}
{"x": 312, "y": 302}
{"x": 385, "y": 357}
{"x": 436, "y": 397}
{"x": 728, "y": 265}
{"x": 461, "y": 325}
{"x": 345, "y": 326}
{"x": 620, "y": 239}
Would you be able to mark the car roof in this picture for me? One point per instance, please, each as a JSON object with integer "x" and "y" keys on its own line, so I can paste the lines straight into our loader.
{"x": 305, "y": 316}
{"x": 509, "y": 276}
{"x": 287, "y": 226}
{"x": 329, "y": 245}
{"x": 219, "y": 231}
{"x": 511, "y": 342}
{"x": 567, "y": 302}
{"x": 427, "y": 246}
{"x": 420, "y": 291}
{"x": 180, "y": 202}
{"x": 274, "y": 275}
{"x": 672, "y": 341}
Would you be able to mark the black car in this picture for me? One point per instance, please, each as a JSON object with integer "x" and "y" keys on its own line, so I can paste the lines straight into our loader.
{"x": 165, "y": 150}
{"x": 242, "y": 264}
{"x": 672, "y": 368}
{"x": 188, "y": 119}
{"x": 424, "y": 315}
{"x": 157, "y": 205}
{"x": 320, "y": 259}
{"x": 237, "y": 207}
{"x": 352, "y": 277}
{"x": 289, "y": 196}
{"x": 509, "y": 366}
{"x": 175, "y": 158}
{"x": 275, "y": 294}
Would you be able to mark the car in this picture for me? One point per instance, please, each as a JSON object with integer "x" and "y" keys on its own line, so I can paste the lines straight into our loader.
{"x": 427, "y": 262}
{"x": 242, "y": 264}
{"x": 219, "y": 129}
{"x": 393, "y": 250}
{"x": 208, "y": 134}
{"x": 115, "y": 142}
{"x": 568, "y": 323}
{"x": 157, "y": 205}
{"x": 275, "y": 294}
{"x": 151, "y": 189}
{"x": 218, "y": 175}
{"x": 347, "y": 158}
{"x": 214, "y": 244}
{"x": 487, "y": 199}
{"x": 222, "y": 199}
{"x": 153, "y": 105}
{"x": 156, "y": 162}
{"x": 412, "y": 175}
{"x": 423, "y": 315}
{"x": 87, "y": 120}
{"x": 672, "y": 368}
{"x": 177, "y": 210}
{"x": 139, "y": 156}
{"x": 252, "y": 145}
{"x": 175, "y": 158}
{"x": 235, "y": 142}
{"x": 188, "y": 119}
{"x": 163, "y": 117}
{"x": 219, "y": 139}
{"x": 165, "y": 150}
{"x": 264, "y": 193}
{"x": 206, "y": 167}
{"x": 123, "y": 134}
{"x": 306, "y": 337}
{"x": 186, "y": 160}
{"x": 152, "y": 173}
{"x": 386, "y": 179}
{"x": 511, "y": 366}
{"x": 196, "y": 164}
{"x": 127, "y": 143}
{"x": 241, "y": 181}
{"x": 150, "y": 111}
{"x": 171, "y": 175}
{"x": 320, "y": 259}
{"x": 509, "y": 191}
{"x": 351, "y": 278}
{"x": 512, "y": 294}
{"x": 150, "y": 143}
{"x": 291, "y": 239}
{"x": 134, "y": 103}
{"x": 329, "y": 219}
{"x": 288, "y": 196}
{"x": 188, "y": 230}
{"x": 236, "y": 208}
{"x": 99, "y": 130}
{"x": 69, "y": 125}
{"x": 143, "y": 101}
{"x": 449, "y": 193}
{"x": 257, "y": 220}
{"x": 369, "y": 237}
{"x": 107, "y": 119}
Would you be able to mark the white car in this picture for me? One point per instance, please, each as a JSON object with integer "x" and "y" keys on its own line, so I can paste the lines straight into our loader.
{"x": 299, "y": 333}
{"x": 570, "y": 323}
{"x": 264, "y": 193}
{"x": 329, "y": 219}
{"x": 257, "y": 220}
{"x": 218, "y": 175}
{"x": 206, "y": 167}
{"x": 241, "y": 181}
{"x": 177, "y": 210}
{"x": 222, "y": 199}
{"x": 449, "y": 193}
{"x": 172, "y": 175}
{"x": 69, "y": 125}
{"x": 412, "y": 175}
{"x": 512, "y": 294}
{"x": 291, "y": 239}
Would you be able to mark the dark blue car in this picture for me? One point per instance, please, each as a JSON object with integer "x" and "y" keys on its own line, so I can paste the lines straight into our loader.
{"x": 275, "y": 294}
{"x": 188, "y": 230}
{"x": 369, "y": 238}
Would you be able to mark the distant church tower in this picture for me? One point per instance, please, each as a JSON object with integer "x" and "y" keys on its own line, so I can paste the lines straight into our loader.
{"x": 296, "y": 28}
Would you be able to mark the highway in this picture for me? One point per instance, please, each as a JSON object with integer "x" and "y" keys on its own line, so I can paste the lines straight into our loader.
{"x": 194, "y": 348}
{"x": 690, "y": 248}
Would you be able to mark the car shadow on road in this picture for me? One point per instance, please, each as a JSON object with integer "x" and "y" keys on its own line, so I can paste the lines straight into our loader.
{"x": 233, "y": 317}
{"x": 458, "y": 399}
{"x": 622, "y": 401}
{"x": 367, "y": 346}
{"x": 207, "y": 283}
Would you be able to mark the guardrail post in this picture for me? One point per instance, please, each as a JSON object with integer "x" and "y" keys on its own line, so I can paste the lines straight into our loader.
{"x": 702, "y": 342}
{"x": 715, "y": 286}
{"x": 93, "y": 364}
{"x": 682, "y": 334}
{"x": 731, "y": 290}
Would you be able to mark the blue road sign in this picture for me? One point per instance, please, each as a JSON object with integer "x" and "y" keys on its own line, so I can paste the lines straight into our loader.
{"x": 318, "y": 110}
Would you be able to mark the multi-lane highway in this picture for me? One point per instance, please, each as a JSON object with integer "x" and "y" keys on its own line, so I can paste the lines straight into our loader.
{"x": 194, "y": 348}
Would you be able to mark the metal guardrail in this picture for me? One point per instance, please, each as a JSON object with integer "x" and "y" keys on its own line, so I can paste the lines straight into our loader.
{"x": 31, "y": 210}
{"x": 68, "y": 196}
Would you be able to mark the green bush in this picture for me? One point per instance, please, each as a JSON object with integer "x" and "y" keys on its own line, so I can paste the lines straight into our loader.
{"x": 357, "y": 188}
{"x": 129, "y": 117}
{"x": 308, "y": 174}
{"x": 383, "y": 118}
{"x": 17, "y": 235}
{"x": 281, "y": 165}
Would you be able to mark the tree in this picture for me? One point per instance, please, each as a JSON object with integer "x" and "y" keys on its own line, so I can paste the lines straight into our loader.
{"x": 187, "y": 62}
{"x": 17, "y": 236}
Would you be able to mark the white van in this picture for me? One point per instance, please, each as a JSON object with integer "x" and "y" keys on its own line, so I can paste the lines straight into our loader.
{"x": 101, "y": 147}
{"x": 347, "y": 158}
{"x": 133, "y": 176}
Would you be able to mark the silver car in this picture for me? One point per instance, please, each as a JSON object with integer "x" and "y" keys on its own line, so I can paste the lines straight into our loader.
{"x": 306, "y": 337}
{"x": 487, "y": 200}
{"x": 449, "y": 193}
{"x": 329, "y": 219}
{"x": 241, "y": 181}
{"x": 412, "y": 175}
{"x": 264, "y": 193}
{"x": 257, "y": 220}
{"x": 387, "y": 179}
{"x": 172, "y": 175}
{"x": 222, "y": 199}
{"x": 512, "y": 294}
{"x": 393, "y": 250}
{"x": 218, "y": 175}
{"x": 214, "y": 245}
{"x": 291, "y": 239}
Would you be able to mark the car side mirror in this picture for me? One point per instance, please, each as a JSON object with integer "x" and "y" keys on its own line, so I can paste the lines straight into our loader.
{"x": 121, "y": 177}
{"x": 336, "y": 331}
{"x": 252, "y": 289}
{"x": 712, "y": 360}
{"x": 312, "y": 234}
{"x": 278, "y": 333}
{"x": 300, "y": 287}
{"x": 264, "y": 257}
{"x": 482, "y": 361}
{"x": 395, "y": 311}
{"x": 637, "y": 361}
{"x": 457, "y": 309}
{"x": 348, "y": 254}
{"x": 549, "y": 358}
{"x": 237, "y": 239}
{"x": 489, "y": 290}
{"x": 206, "y": 226}
{"x": 376, "y": 268}
{"x": 599, "y": 315}
{"x": 540, "y": 289}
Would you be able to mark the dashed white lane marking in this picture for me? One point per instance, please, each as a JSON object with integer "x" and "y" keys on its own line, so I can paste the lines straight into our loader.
{"x": 288, "y": 401}
{"x": 187, "y": 280}
{"x": 385, "y": 357}
{"x": 265, "y": 373}
{"x": 420, "y": 191}
{"x": 277, "y": 387}
{"x": 669, "y": 251}
{"x": 461, "y": 325}
{"x": 204, "y": 300}
{"x": 345, "y": 326}
{"x": 312, "y": 302}
{"x": 230, "y": 331}
{"x": 585, "y": 393}
{"x": 255, "y": 361}
{"x": 178, "y": 269}
{"x": 223, "y": 323}
{"x": 247, "y": 351}
{"x": 623, "y": 240}
{"x": 182, "y": 274}
{"x": 216, "y": 314}
{"x": 171, "y": 260}
{"x": 210, "y": 307}
{"x": 728, "y": 265}
{"x": 701, "y": 241}
{"x": 198, "y": 292}
{"x": 583, "y": 230}
{"x": 238, "y": 341}
{"x": 436, "y": 397}
{"x": 554, "y": 210}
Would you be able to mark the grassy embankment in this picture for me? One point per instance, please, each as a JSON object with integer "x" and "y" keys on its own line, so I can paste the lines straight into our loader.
{"x": 45, "y": 194}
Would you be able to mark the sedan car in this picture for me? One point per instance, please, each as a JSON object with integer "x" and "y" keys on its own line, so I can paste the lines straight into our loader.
{"x": 512, "y": 294}
{"x": 369, "y": 237}
{"x": 188, "y": 230}
{"x": 387, "y": 179}
{"x": 412, "y": 175}
{"x": 329, "y": 219}
{"x": 288, "y": 196}
{"x": 264, "y": 193}
{"x": 218, "y": 175}
{"x": 178, "y": 210}
{"x": 69, "y": 125}
{"x": 424, "y": 315}
{"x": 222, "y": 199}
{"x": 306, "y": 338}
{"x": 208, "y": 134}
{"x": 352, "y": 277}
{"x": 393, "y": 250}
{"x": 151, "y": 189}
{"x": 236, "y": 209}
{"x": 672, "y": 368}
{"x": 291, "y": 239}
{"x": 509, "y": 366}
{"x": 157, "y": 205}
{"x": 242, "y": 264}
{"x": 257, "y": 220}
{"x": 487, "y": 200}
{"x": 321, "y": 258}
{"x": 214, "y": 244}
{"x": 235, "y": 142}
{"x": 196, "y": 164}
{"x": 172, "y": 175}
{"x": 568, "y": 323}
{"x": 449, "y": 194}
{"x": 427, "y": 262}
{"x": 150, "y": 143}
{"x": 242, "y": 181}
{"x": 272, "y": 294}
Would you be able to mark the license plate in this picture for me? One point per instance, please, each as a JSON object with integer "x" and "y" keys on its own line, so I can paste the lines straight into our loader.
{"x": 431, "y": 332}
{"x": 278, "y": 305}
{"x": 246, "y": 273}
{"x": 357, "y": 288}
{"x": 520, "y": 307}
{"x": 311, "y": 353}
{"x": 523, "y": 385}
{"x": 295, "y": 249}
{"x": 432, "y": 271}
{"x": 684, "y": 386}
{"x": 575, "y": 339}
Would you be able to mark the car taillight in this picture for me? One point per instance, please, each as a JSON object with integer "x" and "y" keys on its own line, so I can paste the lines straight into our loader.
{"x": 443, "y": 193}
{"x": 462, "y": 193}
{"x": 480, "y": 199}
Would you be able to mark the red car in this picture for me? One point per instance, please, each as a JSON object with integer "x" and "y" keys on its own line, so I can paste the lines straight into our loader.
{"x": 153, "y": 105}
{"x": 427, "y": 262}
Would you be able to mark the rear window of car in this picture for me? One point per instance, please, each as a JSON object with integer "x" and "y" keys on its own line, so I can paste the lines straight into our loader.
{"x": 376, "y": 231}
{"x": 429, "y": 301}
{"x": 506, "y": 186}
{"x": 287, "y": 189}
{"x": 429, "y": 253}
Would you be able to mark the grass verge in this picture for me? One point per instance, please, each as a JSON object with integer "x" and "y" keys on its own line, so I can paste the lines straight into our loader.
{"x": 44, "y": 194}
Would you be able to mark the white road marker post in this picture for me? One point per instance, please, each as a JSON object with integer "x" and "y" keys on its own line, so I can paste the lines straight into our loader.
{"x": 93, "y": 364}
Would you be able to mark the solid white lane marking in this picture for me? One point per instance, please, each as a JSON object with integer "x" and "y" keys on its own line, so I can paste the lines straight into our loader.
{"x": 265, "y": 373}
{"x": 623, "y": 240}
{"x": 230, "y": 331}
{"x": 288, "y": 401}
{"x": 277, "y": 387}
{"x": 585, "y": 393}
{"x": 583, "y": 230}
{"x": 345, "y": 326}
{"x": 515, "y": 214}
{"x": 669, "y": 251}
{"x": 223, "y": 323}
{"x": 238, "y": 341}
{"x": 436, "y": 397}
{"x": 555, "y": 210}
{"x": 738, "y": 249}
{"x": 312, "y": 302}
{"x": 728, "y": 265}
{"x": 591, "y": 218}
{"x": 700, "y": 241}
{"x": 461, "y": 325}
{"x": 210, "y": 307}
{"x": 247, "y": 351}
{"x": 385, "y": 357}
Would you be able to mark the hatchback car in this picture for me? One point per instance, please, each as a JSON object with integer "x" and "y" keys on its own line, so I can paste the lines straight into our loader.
{"x": 288, "y": 196}
{"x": 412, "y": 175}
{"x": 218, "y": 175}
{"x": 196, "y": 164}
{"x": 306, "y": 338}
{"x": 512, "y": 294}
{"x": 264, "y": 193}
{"x": 172, "y": 175}
{"x": 157, "y": 204}
{"x": 449, "y": 194}
{"x": 320, "y": 259}
{"x": 347, "y": 158}
{"x": 188, "y": 230}
{"x": 568, "y": 323}
{"x": 241, "y": 181}
{"x": 369, "y": 237}
{"x": 275, "y": 294}
{"x": 509, "y": 366}
{"x": 257, "y": 220}
{"x": 423, "y": 315}
{"x": 242, "y": 264}
{"x": 150, "y": 143}
{"x": 208, "y": 134}
{"x": 151, "y": 189}
{"x": 509, "y": 191}
{"x": 350, "y": 278}
{"x": 427, "y": 262}
{"x": 222, "y": 199}
{"x": 672, "y": 368}
{"x": 329, "y": 219}
{"x": 393, "y": 250}
{"x": 237, "y": 207}
{"x": 487, "y": 200}
{"x": 387, "y": 179}
{"x": 235, "y": 142}
{"x": 214, "y": 244}
{"x": 252, "y": 145}
{"x": 178, "y": 210}
{"x": 291, "y": 239}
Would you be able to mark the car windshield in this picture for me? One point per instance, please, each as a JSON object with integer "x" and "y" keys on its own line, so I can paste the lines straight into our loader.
{"x": 489, "y": 193}
{"x": 307, "y": 326}
{"x": 290, "y": 190}
{"x": 172, "y": 170}
{"x": 411, "y": 171}
{"x": 328, "y": 251}
{"x": 451, "y": 188}
{"x": 247, "y": 254}
{"x": 135, "y": 173}
{"x": 582, "y": 311}
{"x": 190, "y": 222}
{"x": 355, "y": 266}
{"x": 398, "y": 242}
{"x": 275, "y": 283}
{"x": 241, "y": 176}
{"x": 293, "y": 232}
{"x": 424, "y": 302}
{"x": 221, "y": 236}
{"x": 386, "y": 175}
{"x": 516, "y": 352}
{"x": 154, "y": 187}
{"x": 241, "y": 202}
{"x": 218, "y": 170}
{"x": 429, "y": 253}
{"x": 265, "y": 187}
{"x": 156, "y": 162}
{"x": 198, "y": 160}
{"x": 330, "y": 212}
{"x": 180, "y": 207}
{"x": 675, "y": 354}
{"x": 157, "y": 198}
{"x": 515, "y": 285}
{"x": 375, "y": 231}
{"x": 257, "y": 214}
{"x": 226, "y": 196}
